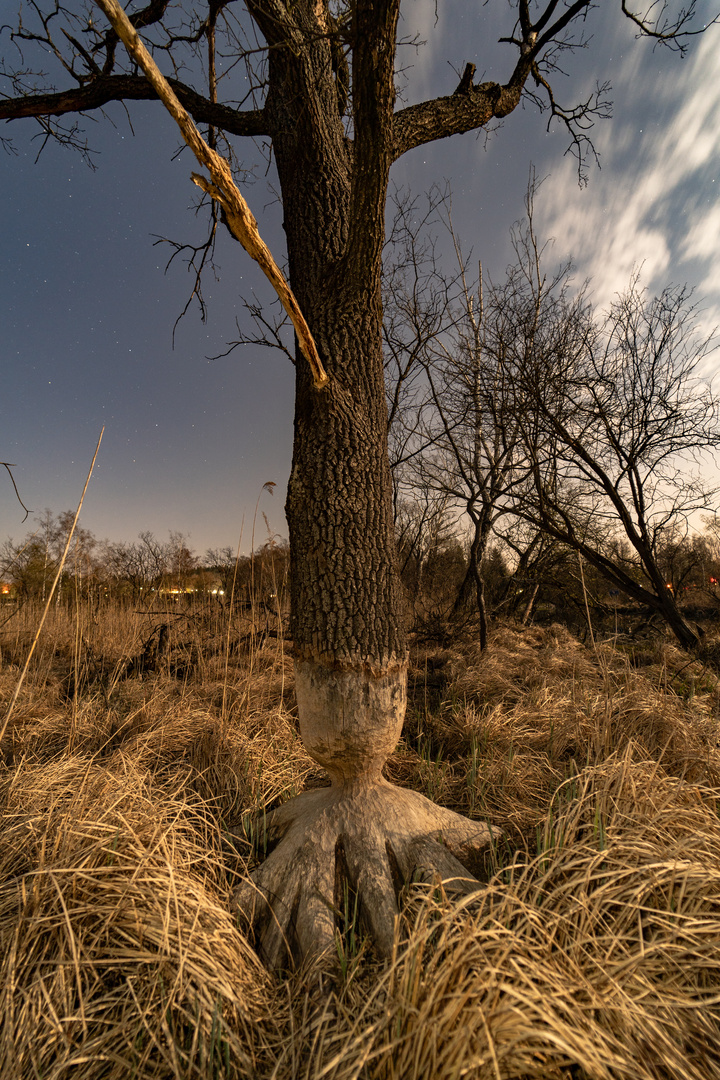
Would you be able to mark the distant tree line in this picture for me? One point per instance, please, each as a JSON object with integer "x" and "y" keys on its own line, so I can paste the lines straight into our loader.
{"x": 137, "y": 571}
{"x": 527, "y": 575}
{"x": 531, "y": 577}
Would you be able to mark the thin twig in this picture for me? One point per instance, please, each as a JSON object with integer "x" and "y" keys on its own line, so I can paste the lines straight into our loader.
{"x": 9, "y": 468}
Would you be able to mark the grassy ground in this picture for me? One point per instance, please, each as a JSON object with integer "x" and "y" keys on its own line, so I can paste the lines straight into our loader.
{"x": 593, "y": 951}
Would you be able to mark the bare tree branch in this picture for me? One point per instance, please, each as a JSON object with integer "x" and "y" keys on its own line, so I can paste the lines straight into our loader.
{"x": 10, "y": 468}
{"x": 107, "y": 88}
{"x": 222, "y": 187}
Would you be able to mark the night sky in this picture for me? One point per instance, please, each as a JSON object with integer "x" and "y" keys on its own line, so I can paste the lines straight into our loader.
{"x": 87, "y": 311}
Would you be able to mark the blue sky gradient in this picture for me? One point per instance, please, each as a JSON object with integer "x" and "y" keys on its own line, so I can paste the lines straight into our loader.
{"x": 88, "y": 312}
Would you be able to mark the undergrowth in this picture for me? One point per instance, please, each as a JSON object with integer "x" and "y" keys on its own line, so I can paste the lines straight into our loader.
{"x": 590, "y": 952}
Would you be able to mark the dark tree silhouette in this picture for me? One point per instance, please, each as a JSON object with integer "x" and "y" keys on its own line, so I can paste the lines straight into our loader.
{"x": 621, "y": 418}
{"x": 583, "y": 426}
{"x": 322, "y": 89}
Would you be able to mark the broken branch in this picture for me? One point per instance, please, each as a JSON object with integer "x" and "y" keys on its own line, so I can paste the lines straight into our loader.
{"x": 221, "y": 187}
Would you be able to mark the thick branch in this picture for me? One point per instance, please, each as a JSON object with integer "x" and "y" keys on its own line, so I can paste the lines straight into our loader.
{"x": 471, "y": 107}
{"x": 222, "y": 188}
{"x": 453, "y": 115}
{"x": 107, "y": 88}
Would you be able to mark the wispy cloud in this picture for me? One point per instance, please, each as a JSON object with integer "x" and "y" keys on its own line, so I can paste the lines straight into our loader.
{"x": 656, "y": 200}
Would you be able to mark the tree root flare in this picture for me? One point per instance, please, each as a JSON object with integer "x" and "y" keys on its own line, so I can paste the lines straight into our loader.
{"x": 366, "y": 839}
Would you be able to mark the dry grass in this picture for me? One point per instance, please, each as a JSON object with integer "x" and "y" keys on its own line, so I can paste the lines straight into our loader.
{"x": 601, "y": 952}
{"x": 539, "y": 707}
{"x": 120, "y": 956}
{"x": 593, "y": 951}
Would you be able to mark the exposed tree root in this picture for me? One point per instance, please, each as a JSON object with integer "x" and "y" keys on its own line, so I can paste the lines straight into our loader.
{"x": 372, "y": 838}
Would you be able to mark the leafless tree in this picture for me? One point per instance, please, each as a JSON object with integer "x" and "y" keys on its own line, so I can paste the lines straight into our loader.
{"x": 321, "y": 88}
{"x": 617, "y": 421}
{"x": 587, "y": 428}
{"x": 126, "y": 568}
{"x": 463, "y": 435}
{"x": 32, "y": 562}
{"x": 421, "y": 304}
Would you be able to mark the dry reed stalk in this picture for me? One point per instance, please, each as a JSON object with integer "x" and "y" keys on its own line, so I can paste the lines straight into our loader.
{"x": 229, "y": 621}
{"x": 61, "y": 565}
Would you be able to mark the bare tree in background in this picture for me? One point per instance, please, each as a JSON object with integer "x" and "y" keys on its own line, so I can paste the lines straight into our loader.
{"x": 471, "y": 446}
{"x": 585, "y": 428}
{"x": 476, "y": 428}
{"x": 421, "y": 305}
{"x": 462, "y": 346}
{"x": 32, "y": 562}
{"x": 321, "y": 89}
{"x": 617, "y": 422}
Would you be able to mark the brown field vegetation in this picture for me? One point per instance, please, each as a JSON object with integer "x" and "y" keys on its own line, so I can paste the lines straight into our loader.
{"x": 592, "y": 951}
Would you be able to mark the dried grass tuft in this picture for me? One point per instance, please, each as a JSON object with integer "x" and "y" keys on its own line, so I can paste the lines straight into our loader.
{"x": 598, "y": 958}
{"x": 120, "y": 957}
{"x": 537, "y": 707}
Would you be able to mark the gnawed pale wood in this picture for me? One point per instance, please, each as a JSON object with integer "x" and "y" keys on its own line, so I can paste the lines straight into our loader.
{"x": 350, "y": 721}
{"x": 375, "y": 837}
{"x": 222, "y": 188}
{"x": 362, "y": 832}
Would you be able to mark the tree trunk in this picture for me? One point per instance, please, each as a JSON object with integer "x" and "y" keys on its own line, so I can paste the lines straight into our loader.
{"x": 667, "y": 606}
{"x": 474, "y": 580}
{"x": 665, "y": 602}
{"x": 529, "y": 606}
{"x": 350, "y": 666}
{"x": 349, "y": 642}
